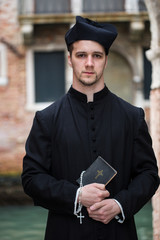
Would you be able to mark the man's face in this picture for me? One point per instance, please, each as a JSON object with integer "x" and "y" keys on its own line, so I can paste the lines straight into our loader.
{"x": 88, "y": 60}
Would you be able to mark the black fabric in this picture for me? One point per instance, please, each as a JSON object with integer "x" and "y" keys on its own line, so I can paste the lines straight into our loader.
{"x": 86, "y": 29}
{"x": 65, "y": 139}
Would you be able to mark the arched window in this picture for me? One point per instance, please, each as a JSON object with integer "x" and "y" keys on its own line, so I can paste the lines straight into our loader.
{"x": 118, "y": 76}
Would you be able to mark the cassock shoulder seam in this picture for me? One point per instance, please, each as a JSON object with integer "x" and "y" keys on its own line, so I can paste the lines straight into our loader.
{"x": 54, "y": 107}
{"x": 132, "y": 114}
{"x": 48, "y": 114}
{"x": 127, "y": 107}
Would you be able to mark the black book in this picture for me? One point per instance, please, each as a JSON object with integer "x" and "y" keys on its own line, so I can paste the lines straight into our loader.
{"x": 99, "y": 172}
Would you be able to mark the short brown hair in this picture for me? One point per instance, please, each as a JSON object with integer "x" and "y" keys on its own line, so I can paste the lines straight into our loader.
{"x": 70, "y": 49}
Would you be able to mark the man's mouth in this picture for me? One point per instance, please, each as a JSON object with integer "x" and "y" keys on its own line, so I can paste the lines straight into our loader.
{"x": 88, "y": 73}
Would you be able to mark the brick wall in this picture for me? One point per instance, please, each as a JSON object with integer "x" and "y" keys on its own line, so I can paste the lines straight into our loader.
{"x": 14, "y": 121}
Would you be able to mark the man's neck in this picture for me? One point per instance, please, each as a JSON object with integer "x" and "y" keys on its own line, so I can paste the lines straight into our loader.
{"x": 90, "y": 97}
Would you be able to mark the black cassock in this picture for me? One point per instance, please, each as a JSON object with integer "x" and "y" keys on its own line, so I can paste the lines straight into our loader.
{"x": 65, "y": 139}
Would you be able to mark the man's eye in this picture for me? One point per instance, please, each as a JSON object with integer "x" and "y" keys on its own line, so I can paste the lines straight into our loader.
{"x": 81, "y": 55}
{"x": 97, "y": 56}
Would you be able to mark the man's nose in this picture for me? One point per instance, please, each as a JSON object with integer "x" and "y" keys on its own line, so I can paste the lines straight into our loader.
{"x": 89, "y": 61}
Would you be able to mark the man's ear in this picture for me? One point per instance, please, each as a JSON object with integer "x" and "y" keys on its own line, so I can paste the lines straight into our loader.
{"x": 69, "y": 60}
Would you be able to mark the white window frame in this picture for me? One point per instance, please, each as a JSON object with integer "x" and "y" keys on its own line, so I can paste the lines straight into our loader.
{"x": 76, "y": 6}
{"x": 3, "y": 65}
{"x": 31, "y": 105}
{"x": 131, "y": 6}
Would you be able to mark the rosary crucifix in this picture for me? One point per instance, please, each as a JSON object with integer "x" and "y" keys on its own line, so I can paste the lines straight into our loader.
{"x": 80, "y": 216}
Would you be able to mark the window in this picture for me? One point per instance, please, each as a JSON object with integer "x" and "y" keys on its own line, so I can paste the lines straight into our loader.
{"x": 3, "y": 65}
{"x": 52, "y": 6}
{"x": 142, "y": 6}
{"x": 147, "y": 76}
{"x": 103, "y": 5}
{"x": 46, "y": 75}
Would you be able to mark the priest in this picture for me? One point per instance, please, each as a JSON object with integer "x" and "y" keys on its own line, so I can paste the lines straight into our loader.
{"x": 66, "y": 138}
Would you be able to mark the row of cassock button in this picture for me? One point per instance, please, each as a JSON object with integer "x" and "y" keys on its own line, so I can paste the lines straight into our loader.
{"x": 93, "y": 128}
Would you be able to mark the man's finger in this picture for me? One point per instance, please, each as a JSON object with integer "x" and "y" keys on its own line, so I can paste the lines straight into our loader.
{"x": 96, "y": 206}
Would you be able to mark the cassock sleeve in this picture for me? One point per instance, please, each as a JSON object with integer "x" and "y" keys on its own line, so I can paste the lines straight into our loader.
{"x": 144, "y": 170}
{"x": 38, "y": 183}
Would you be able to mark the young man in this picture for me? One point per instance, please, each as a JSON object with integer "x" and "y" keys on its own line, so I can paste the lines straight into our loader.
{"x": 67, "y": 137}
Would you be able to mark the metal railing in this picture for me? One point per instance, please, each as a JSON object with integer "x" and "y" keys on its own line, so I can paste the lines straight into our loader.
{"x": 103, "y": 6}
{"x": 88, "y": 6}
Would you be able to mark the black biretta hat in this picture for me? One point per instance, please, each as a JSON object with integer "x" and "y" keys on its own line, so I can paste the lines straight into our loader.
{"x": 86, "y": 29}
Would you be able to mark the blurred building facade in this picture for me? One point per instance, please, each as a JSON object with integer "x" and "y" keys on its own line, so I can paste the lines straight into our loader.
{"x": 33, "y": 61}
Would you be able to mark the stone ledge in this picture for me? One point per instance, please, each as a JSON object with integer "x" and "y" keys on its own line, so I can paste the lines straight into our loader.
{"x": 70, "y": 18}
{"x": 11, "y": 192}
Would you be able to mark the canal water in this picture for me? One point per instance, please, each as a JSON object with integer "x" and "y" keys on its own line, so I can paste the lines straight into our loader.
{"x": 28, "y": 223}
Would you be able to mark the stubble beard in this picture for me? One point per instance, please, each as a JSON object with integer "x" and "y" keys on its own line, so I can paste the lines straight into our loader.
{"x": 88, "y": 82}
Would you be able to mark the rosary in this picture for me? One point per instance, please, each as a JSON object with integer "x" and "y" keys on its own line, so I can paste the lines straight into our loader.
{"x": 79, "y": 193}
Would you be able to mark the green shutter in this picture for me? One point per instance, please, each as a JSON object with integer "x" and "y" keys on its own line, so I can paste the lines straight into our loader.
{"x": 49, "y": 75}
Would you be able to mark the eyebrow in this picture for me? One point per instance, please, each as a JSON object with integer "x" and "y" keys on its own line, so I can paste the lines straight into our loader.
{"x": 97, "y": 52}
{"x": 84, "y": 52}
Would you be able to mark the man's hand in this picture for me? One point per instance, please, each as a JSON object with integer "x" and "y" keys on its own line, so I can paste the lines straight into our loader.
{"x": 104, "y": 211}
{"x": 93, "y": 193}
